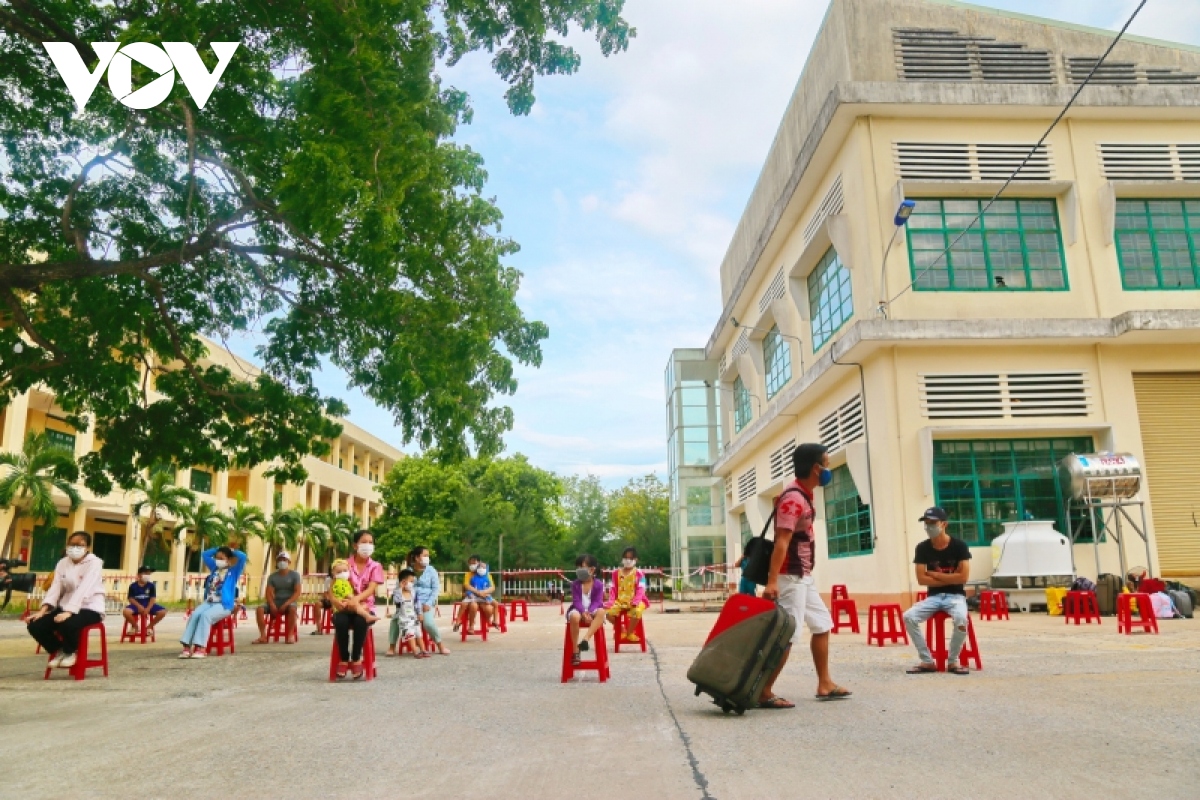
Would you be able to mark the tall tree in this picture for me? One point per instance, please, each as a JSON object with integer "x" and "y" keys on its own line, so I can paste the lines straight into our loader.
{"x": 317, "y": 196}
{"x": 242, "y": 522}
{"x": 277, "y": 535}
{"x": 588, "y": 531}
{"x": 307, "y": 531}
{"x": 32, "y": 477}
{"x": 204, "y": 526}
{"x": 639, "y": 513}
{"x": 158, "y": 496}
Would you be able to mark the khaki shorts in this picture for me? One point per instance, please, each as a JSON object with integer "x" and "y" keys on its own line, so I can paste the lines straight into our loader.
{"x": 800, "y": 598}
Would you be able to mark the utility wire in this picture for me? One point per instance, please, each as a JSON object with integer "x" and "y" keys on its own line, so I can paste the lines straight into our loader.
{"x": 1031, "y": 154}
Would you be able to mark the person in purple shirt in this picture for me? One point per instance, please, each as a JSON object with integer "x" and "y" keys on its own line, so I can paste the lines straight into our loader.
{"x": 587, "y": 603}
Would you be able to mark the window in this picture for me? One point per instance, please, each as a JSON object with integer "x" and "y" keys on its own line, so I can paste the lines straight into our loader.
{"x": 829, "y": 300}
{"x": 66, "y": 441}
{"x": 356, "y": 469}
{"x": 983, "y": 484}
{"x": 1158, "y": 243}
{"x": 201, "y": 481}
{"x": 778, "y": 360}
{"x": 158, "y": 556}
{"x": 741, "y": 405}
{"x": 699, "y": 505}
{"x": 847, "y": 518}
{"x": 49, "y": 545}
{"x": 1015, "y": 246}
{"x": 744, "y": 525}
{"x": 108, "y": 548}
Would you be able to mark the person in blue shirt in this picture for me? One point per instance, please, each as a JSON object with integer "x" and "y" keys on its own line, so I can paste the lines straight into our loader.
{"x": 220, "y": 597}
{"x": 477, "y": 594}
{"x": 143, "y": 600}
{"x": 745, "y": 585}
{"x": 428, "y": 589}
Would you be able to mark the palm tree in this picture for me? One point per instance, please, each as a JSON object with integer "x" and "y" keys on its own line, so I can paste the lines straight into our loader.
{"x": 159, "y": 496}
{"x": 205, "y": 527}
{"x": 32, "y": 477}
{"x": 305, "y": 525}
{"x": 243, "y": 522}
{"x": 340, "y": 530}
{"x": 277, "y": 535}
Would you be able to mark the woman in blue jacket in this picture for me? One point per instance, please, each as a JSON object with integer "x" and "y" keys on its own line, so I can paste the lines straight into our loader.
{"x": 220, "y": 597}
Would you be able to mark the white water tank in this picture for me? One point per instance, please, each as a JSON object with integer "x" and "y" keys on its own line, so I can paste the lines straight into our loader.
{"x": 1031, "y": 548}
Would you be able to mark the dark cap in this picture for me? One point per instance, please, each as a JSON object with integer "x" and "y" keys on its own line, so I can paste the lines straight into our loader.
{"x": 144, "y": 570}
{"x": 936, "y": 513}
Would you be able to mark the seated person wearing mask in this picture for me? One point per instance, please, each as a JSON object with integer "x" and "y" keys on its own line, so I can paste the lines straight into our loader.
{"x": 943, "y": 565}
{"x": 143, "y": 601}
{"x": 282, "y": 594}
{"x": 74, "y": 601}
{"x": 477, "y": 594}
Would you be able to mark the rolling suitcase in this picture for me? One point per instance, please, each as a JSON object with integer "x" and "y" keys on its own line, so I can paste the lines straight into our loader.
{"x": 1182, "y": 601}
{"x": 1108, "y": 586}
{"x": 743, "y": 649}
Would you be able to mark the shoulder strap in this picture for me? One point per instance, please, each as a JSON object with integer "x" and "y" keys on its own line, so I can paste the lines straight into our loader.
{"x": 774, "y": 511}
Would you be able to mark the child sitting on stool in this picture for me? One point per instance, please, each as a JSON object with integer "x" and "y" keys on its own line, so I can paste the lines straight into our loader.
{"x": 628, "y": 595}
{"x": 587, "y": 604}
{"x": 405, "y": 626}
{"x": 343, "y": 593}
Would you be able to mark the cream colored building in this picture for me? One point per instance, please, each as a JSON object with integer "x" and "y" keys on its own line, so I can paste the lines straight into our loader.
{"x": 346, "y": 480}
{"x": 1069, "y": 322}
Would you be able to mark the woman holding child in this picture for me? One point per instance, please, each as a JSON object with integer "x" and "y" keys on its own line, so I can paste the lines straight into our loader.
{"x": 354, "y": 610}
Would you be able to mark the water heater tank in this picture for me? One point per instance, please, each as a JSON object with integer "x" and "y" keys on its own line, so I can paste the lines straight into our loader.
{"x": 1030, "y": 549}
{"x": 1107, "y": 476}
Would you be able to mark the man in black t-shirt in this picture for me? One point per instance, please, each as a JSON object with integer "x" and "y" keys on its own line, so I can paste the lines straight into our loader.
{"x": 943, "y": 566}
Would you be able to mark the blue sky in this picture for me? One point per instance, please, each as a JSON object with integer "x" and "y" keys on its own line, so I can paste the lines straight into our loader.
{"x": 623, "y": 188}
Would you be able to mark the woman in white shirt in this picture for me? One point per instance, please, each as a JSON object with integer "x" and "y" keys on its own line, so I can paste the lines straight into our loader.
{"x": 75, "y": 600}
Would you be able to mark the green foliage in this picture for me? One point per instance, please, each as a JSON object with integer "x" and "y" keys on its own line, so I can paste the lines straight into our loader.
{"x": 639, "y": 514}
{"x": 30, "y": 480}
{"x": 158, "y": 496}
{"x": 318, "y": 197}
{"x": 204, "y": 526}
{"x": 586, "y": 506}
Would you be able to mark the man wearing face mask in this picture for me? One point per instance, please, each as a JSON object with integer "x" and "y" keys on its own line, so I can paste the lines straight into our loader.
{"x": 790, "y": 582}
{"x": 943, "y": 566}
{"x": 74, "y": 601}
{"x": 283, "y": 589}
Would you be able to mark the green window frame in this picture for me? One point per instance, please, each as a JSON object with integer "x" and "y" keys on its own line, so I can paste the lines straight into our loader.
{"x": 741, "y": 404}
{"x": 983, "y": 483}
{"x": 109, "y": 547}
{"x": 1158, "y": 244}
{"x": 61, "y": 439}
{"x": 48, "y": 545}
{"x": 847, "y": 518}
{"x": 201, "y": 481}
{"x": 777, "y": 358}
{"x": 830, "y": 299}
{"x": 1016, "y": 246}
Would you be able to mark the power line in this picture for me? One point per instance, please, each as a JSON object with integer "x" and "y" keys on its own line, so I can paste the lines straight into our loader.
{"x": 1031, "y": 154}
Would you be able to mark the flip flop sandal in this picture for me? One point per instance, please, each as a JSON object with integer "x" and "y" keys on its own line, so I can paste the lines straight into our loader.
{"x": 922, "y": 669}
{"x": 342, "y": 670}
{"x": 576, "y": 660}
{"x": 836, "y": 694}
{"x": 958, "y": 669}
{"x": 775, "y": 703}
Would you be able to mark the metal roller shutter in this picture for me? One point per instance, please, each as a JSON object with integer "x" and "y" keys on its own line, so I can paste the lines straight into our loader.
{"x": 1169, "y": 412}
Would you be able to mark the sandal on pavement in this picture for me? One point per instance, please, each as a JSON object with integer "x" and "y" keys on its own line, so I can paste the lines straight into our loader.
{"x": 259, "y": 641}
{"x": 342, "y": 669}
{"x": 837, "y": 694}
{"x": 356, "y": 671}
{"x": 775, "y": 702}
{"x": 922, "y": 669}
{"x": 958, "y": 669}
{"x": 576, "y": 660}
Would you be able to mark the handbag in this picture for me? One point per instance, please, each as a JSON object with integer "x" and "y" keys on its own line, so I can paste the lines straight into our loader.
{"x": 758, "y": 551}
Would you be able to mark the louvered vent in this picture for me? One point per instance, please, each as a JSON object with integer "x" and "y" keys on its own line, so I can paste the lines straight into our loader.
{"x": 947, "y": 161}
{"x": 1125, "y": 73}
{"x": 1150, "y": 162}
{"x": 740, "y": 346}
{"x": 781, "y": 461}
{"x": 1170, "y": 76}
{"x": 843, "y": 425}
{"x": 830, "y": 205}
{"x": 774, "y": 292}
{"x": 724, "y": 363}
{"x": 747, "y": 484}
{"x": 924, "y": 54}
{"x": 997, "y": 396}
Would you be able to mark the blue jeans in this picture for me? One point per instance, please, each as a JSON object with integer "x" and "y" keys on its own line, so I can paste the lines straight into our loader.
{"x": 204, "y": 616}
{"x": 953, "y": 604}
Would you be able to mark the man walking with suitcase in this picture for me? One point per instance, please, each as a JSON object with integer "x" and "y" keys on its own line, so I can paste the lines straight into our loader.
{"x": 790, "y": 582}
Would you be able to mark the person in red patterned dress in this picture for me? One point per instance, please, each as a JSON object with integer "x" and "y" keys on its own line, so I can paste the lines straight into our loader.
{"x": 790, "y": 582}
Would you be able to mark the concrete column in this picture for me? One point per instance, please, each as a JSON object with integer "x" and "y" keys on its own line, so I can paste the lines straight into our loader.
{"x": 365, "y": 516}
{"x": 336, "y": 453}
{"x": 350, "y": 454}
{"x": 133, "y": 545}
{"x": 221, "y": 489}
{"x": 15, "y": 417}
{"x": 174, "y": 591}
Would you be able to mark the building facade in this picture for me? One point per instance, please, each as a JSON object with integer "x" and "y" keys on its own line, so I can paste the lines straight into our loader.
{"x": 346, "y": 481}
{"x": 951, "y": 363}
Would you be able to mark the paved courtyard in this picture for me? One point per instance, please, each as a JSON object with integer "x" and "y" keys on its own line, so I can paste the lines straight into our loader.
{"x": 1057, "y": 712}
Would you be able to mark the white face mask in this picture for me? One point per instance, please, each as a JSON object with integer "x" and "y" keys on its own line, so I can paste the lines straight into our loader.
{"x": 75, "y": 552}
{"x": 628, "y": 563}
{"x": 423, "y": 561}
{"x": 481, "y": 570}
{"x": 365, "y": 550}
{"x": 221, "y": 563}
{"x": 341, "y": 576}
{"x": 282, "y": 564}
{"x": 933, "y": 530}
{"x": 408, "y": 587}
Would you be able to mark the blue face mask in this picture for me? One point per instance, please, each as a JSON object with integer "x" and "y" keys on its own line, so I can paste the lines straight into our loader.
{"x": 826, "y": 478}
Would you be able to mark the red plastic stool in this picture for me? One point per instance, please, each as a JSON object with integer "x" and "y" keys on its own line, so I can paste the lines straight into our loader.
{"x": 599, "y": 663}
{"x": 621, "y": 624}
{"x": 220, "y": 637}
{"x": 838, "y": 607}
{"x": 518, "y": 609}
{"x": 308, "y": 613}
{"x": 839, "y": 592}
{"x": 501, "y": 617}
{"x": 454, "y": 609}
{"x": 1145, "y": 607}
{"x": 922, "y": 596}
{"x": 326, "y": 624}
{"x": 464, "y": 629}
{"x": 368, "y": 658}
{"x": 885, "y": 623}
{"x": 993, "y": 604}
{"x": 935, "y": 636}
{"x": 1081, "y": 606}
{"x": 141, "y": 629}
{"x": 243, "y": 614}
{"x": 277, "y": 627}
{"x": 82, "y": 662}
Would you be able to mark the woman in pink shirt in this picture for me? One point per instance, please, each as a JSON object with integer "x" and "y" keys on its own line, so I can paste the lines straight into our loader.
{"x": 75, "y": 600}
{"x": 366, "y": 575}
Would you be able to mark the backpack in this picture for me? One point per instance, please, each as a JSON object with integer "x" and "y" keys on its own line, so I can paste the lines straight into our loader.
{"x": 759, "y": 550}
{"x": 1082, "y": 584}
